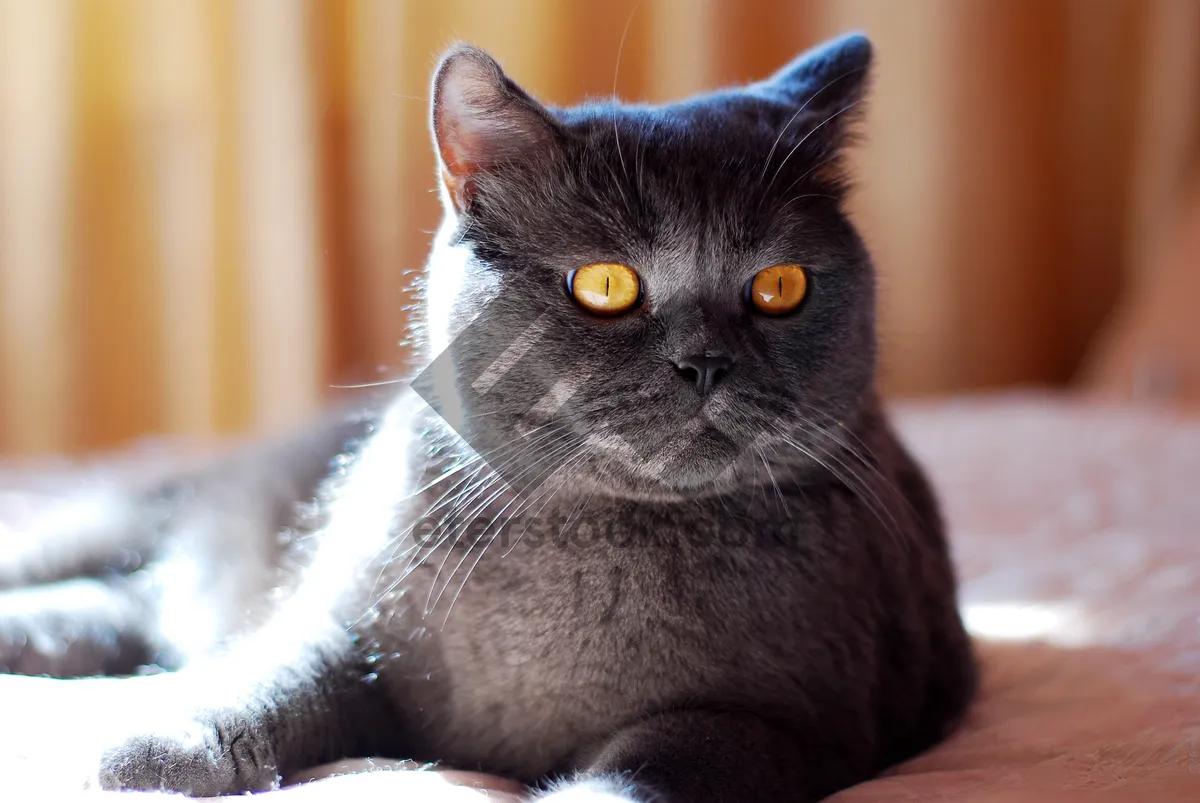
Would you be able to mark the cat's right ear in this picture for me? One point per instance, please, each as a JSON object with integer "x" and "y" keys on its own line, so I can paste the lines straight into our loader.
{"x": 827, "y": 83}
{"x": 482, "y": 121}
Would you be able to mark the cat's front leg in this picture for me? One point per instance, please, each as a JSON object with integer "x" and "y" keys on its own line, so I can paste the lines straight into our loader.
{"x": 707, "y": 757}
{"x": 241, "y": 721}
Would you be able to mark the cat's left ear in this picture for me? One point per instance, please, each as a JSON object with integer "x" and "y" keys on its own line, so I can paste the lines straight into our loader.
{"x": 827, "y": 83}
{"x": 483, "y": 122}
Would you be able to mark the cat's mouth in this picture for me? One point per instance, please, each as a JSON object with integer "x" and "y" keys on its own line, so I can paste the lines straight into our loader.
{"x": 662, "y": 449}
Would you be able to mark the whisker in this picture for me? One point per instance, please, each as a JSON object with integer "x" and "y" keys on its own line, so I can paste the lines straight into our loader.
{"x": 803, "y": 106}
{"x": 804, "y": 139}
{"x": 535, "y": 460}
{"x": 459, "y": 499}
{"x": 541, "y": 479}
{"x": 380, "y": 384}
{"x": 473, "y": 459}
{"x": 532, "y": 502}
{"x": 616, "y": 74}
{"x": 811, "y": 170}
{"x": 771, "y": 475}
{"x": 872, "y": 465}
{"x": 856, "y": 484}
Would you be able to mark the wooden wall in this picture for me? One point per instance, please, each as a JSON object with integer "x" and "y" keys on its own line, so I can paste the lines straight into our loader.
{"x": 209, "y": 209}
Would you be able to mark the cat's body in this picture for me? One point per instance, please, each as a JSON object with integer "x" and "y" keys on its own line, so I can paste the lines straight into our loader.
{"x": 608, "y": 612}
{"x": 765, "y": 612}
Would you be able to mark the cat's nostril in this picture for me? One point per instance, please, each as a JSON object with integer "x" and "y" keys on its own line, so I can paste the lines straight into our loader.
{"x": 704, "y": 370}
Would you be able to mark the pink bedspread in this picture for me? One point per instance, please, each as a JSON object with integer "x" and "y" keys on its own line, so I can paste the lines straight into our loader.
{"x": 1077, "y": 532}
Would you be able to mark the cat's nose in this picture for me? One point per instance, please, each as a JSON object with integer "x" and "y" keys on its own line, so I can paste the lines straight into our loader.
{"x": 704, "y": 370}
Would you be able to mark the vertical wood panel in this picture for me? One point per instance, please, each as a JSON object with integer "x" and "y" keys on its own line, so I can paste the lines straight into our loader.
{"x": 178, "y": 145}
{"x": 618, "y": 36}
{"x": 234, "y": 404}
{"x": 1007, "y": 191}
{"x": 1169, "y": 122}
{"x": 382, "y": 103}
{"x": 210, "y": 209}
{"x": 902, "y": 204}
{"x": 280, "y": 237}
{"x": 348, "y": 345}
{"x": 1105, "y": 56}
{"x": 683, "y": 34}
{"x": 35, "y": 120}
{"x": 115, "y": 286}
{"x": 754, "y": 38}
{"x": 1148, "y": 347}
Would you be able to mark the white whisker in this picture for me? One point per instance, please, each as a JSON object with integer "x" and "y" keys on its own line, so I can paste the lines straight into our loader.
{"x": 804, "y": 139}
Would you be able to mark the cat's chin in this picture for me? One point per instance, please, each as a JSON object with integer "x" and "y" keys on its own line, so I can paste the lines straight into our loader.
{"x": 610, "y": 476}
{"x": 696, "y": 481}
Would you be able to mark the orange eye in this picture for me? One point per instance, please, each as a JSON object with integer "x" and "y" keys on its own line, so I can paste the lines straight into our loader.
{"x": 605, "y": 288}
{"x": 778, "y": 290}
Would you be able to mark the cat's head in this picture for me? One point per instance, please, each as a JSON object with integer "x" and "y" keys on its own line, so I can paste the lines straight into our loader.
{"x": 653, "y": 299}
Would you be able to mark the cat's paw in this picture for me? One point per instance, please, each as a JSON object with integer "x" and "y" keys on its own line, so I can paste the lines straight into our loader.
{"x": 199, "y": 760}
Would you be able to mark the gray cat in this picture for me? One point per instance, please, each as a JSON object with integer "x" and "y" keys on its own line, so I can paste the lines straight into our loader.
{"x": 641, "y": 529}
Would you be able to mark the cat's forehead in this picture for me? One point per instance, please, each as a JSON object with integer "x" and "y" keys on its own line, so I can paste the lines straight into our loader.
{"x": 693, "y": 195}
{"x": 697, "y": 182}
{"x": 690, "y": 137}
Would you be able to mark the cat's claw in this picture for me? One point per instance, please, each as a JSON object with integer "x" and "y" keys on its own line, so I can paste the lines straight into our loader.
{"x": 199, "y": 761}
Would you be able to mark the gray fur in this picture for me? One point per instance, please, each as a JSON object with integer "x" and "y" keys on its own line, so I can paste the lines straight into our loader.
{"x": 767, "y": 614}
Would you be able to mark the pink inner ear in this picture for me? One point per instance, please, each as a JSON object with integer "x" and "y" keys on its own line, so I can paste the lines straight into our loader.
{"x": 481, "y": 120}
{"x": 456, "y": 159}
{"x": 464, "y": 90}
{"x": 468, "y": 143}
{"x": 458, "y": 148}
{"x": 453, "y": 150}
{"x": 457, "y": 187}
{"x": 461, "y": 159}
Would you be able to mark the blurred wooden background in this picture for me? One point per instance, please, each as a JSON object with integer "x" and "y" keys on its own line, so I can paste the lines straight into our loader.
{"x": 209, "y": 209}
